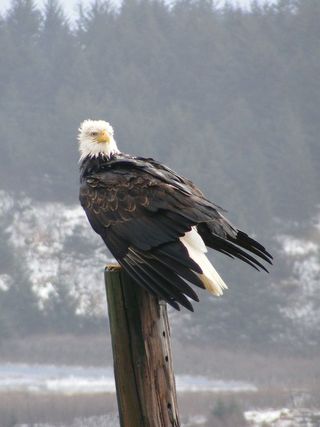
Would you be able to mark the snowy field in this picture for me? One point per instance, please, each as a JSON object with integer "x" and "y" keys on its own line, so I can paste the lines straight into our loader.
{"x": 270, "y": 418}
{"x": 106, "y": 421}
{"x": 90, "y": 380}
{"x": 77, "y": 380}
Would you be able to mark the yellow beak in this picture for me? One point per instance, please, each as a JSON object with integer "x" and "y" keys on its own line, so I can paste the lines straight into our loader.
{"x": 103, "y": 136}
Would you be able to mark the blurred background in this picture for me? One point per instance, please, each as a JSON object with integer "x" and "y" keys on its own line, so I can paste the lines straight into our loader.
{"x": 227, "y": 94}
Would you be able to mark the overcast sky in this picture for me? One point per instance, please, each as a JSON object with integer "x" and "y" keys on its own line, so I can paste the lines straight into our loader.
{"x": 70, "y": 6}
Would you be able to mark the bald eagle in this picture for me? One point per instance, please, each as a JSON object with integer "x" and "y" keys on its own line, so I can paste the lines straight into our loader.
{"x": 156, "y": 223}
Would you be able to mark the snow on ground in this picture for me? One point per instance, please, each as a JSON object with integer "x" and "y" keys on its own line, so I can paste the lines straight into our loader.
{"x": 296, "y": 247}
{"x": 90, "y": 380}
{"x": 303, "y": 255}
{"x": 264, "y": 418}
{"x": 267, "y": 417}
{"x": 5, "y": 282}
{"x": 283, "y": 418}
{"x": 57, "y": 248}
{"x": 104, "y": 421}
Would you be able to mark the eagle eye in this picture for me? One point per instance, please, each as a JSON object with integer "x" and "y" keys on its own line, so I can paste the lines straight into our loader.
{"x": 94, "y": 133}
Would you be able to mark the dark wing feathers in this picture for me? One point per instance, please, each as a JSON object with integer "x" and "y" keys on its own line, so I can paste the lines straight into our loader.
{"x": 179, "y": 268}
{"x": 167, "y": 280}
{"x": 228, "y": 246}
{"x": 149, "y": 277}
{"x": 253, "y": 246}
{"x": 150, "y": 285}
{"x": 177, "y": 252}
{"x": 140, "y": 208}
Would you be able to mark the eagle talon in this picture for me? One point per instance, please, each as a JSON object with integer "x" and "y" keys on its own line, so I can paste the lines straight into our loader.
{"x": 113, "y": 267}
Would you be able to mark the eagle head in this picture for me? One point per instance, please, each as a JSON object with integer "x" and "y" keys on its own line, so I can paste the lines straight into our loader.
{"x": 96, "y": 138}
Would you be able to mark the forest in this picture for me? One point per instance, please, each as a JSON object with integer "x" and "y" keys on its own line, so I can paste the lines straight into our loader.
{"x": 227, "y": 97}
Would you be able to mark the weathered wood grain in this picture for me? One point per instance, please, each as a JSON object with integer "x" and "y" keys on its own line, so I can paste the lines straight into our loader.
{"x": 140, "y": 333}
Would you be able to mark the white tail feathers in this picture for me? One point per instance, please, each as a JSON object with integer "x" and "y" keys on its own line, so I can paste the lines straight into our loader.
{"x": 197, "y": 251}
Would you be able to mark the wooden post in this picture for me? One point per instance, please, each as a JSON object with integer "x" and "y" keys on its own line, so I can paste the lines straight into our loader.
{"x": 140, "y": 333}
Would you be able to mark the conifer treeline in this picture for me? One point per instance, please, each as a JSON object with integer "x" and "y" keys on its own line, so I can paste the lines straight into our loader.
{"x": 226, "y": 97}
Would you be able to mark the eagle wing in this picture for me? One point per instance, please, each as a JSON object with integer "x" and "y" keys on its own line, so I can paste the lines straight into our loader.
{"x": 142, "y": 209}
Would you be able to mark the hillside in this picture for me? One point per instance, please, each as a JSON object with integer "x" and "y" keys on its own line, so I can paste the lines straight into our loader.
{"x": 56, "y": 270}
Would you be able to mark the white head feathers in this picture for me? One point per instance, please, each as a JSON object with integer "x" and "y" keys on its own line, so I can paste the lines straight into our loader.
{"x": 96, "y": 138}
